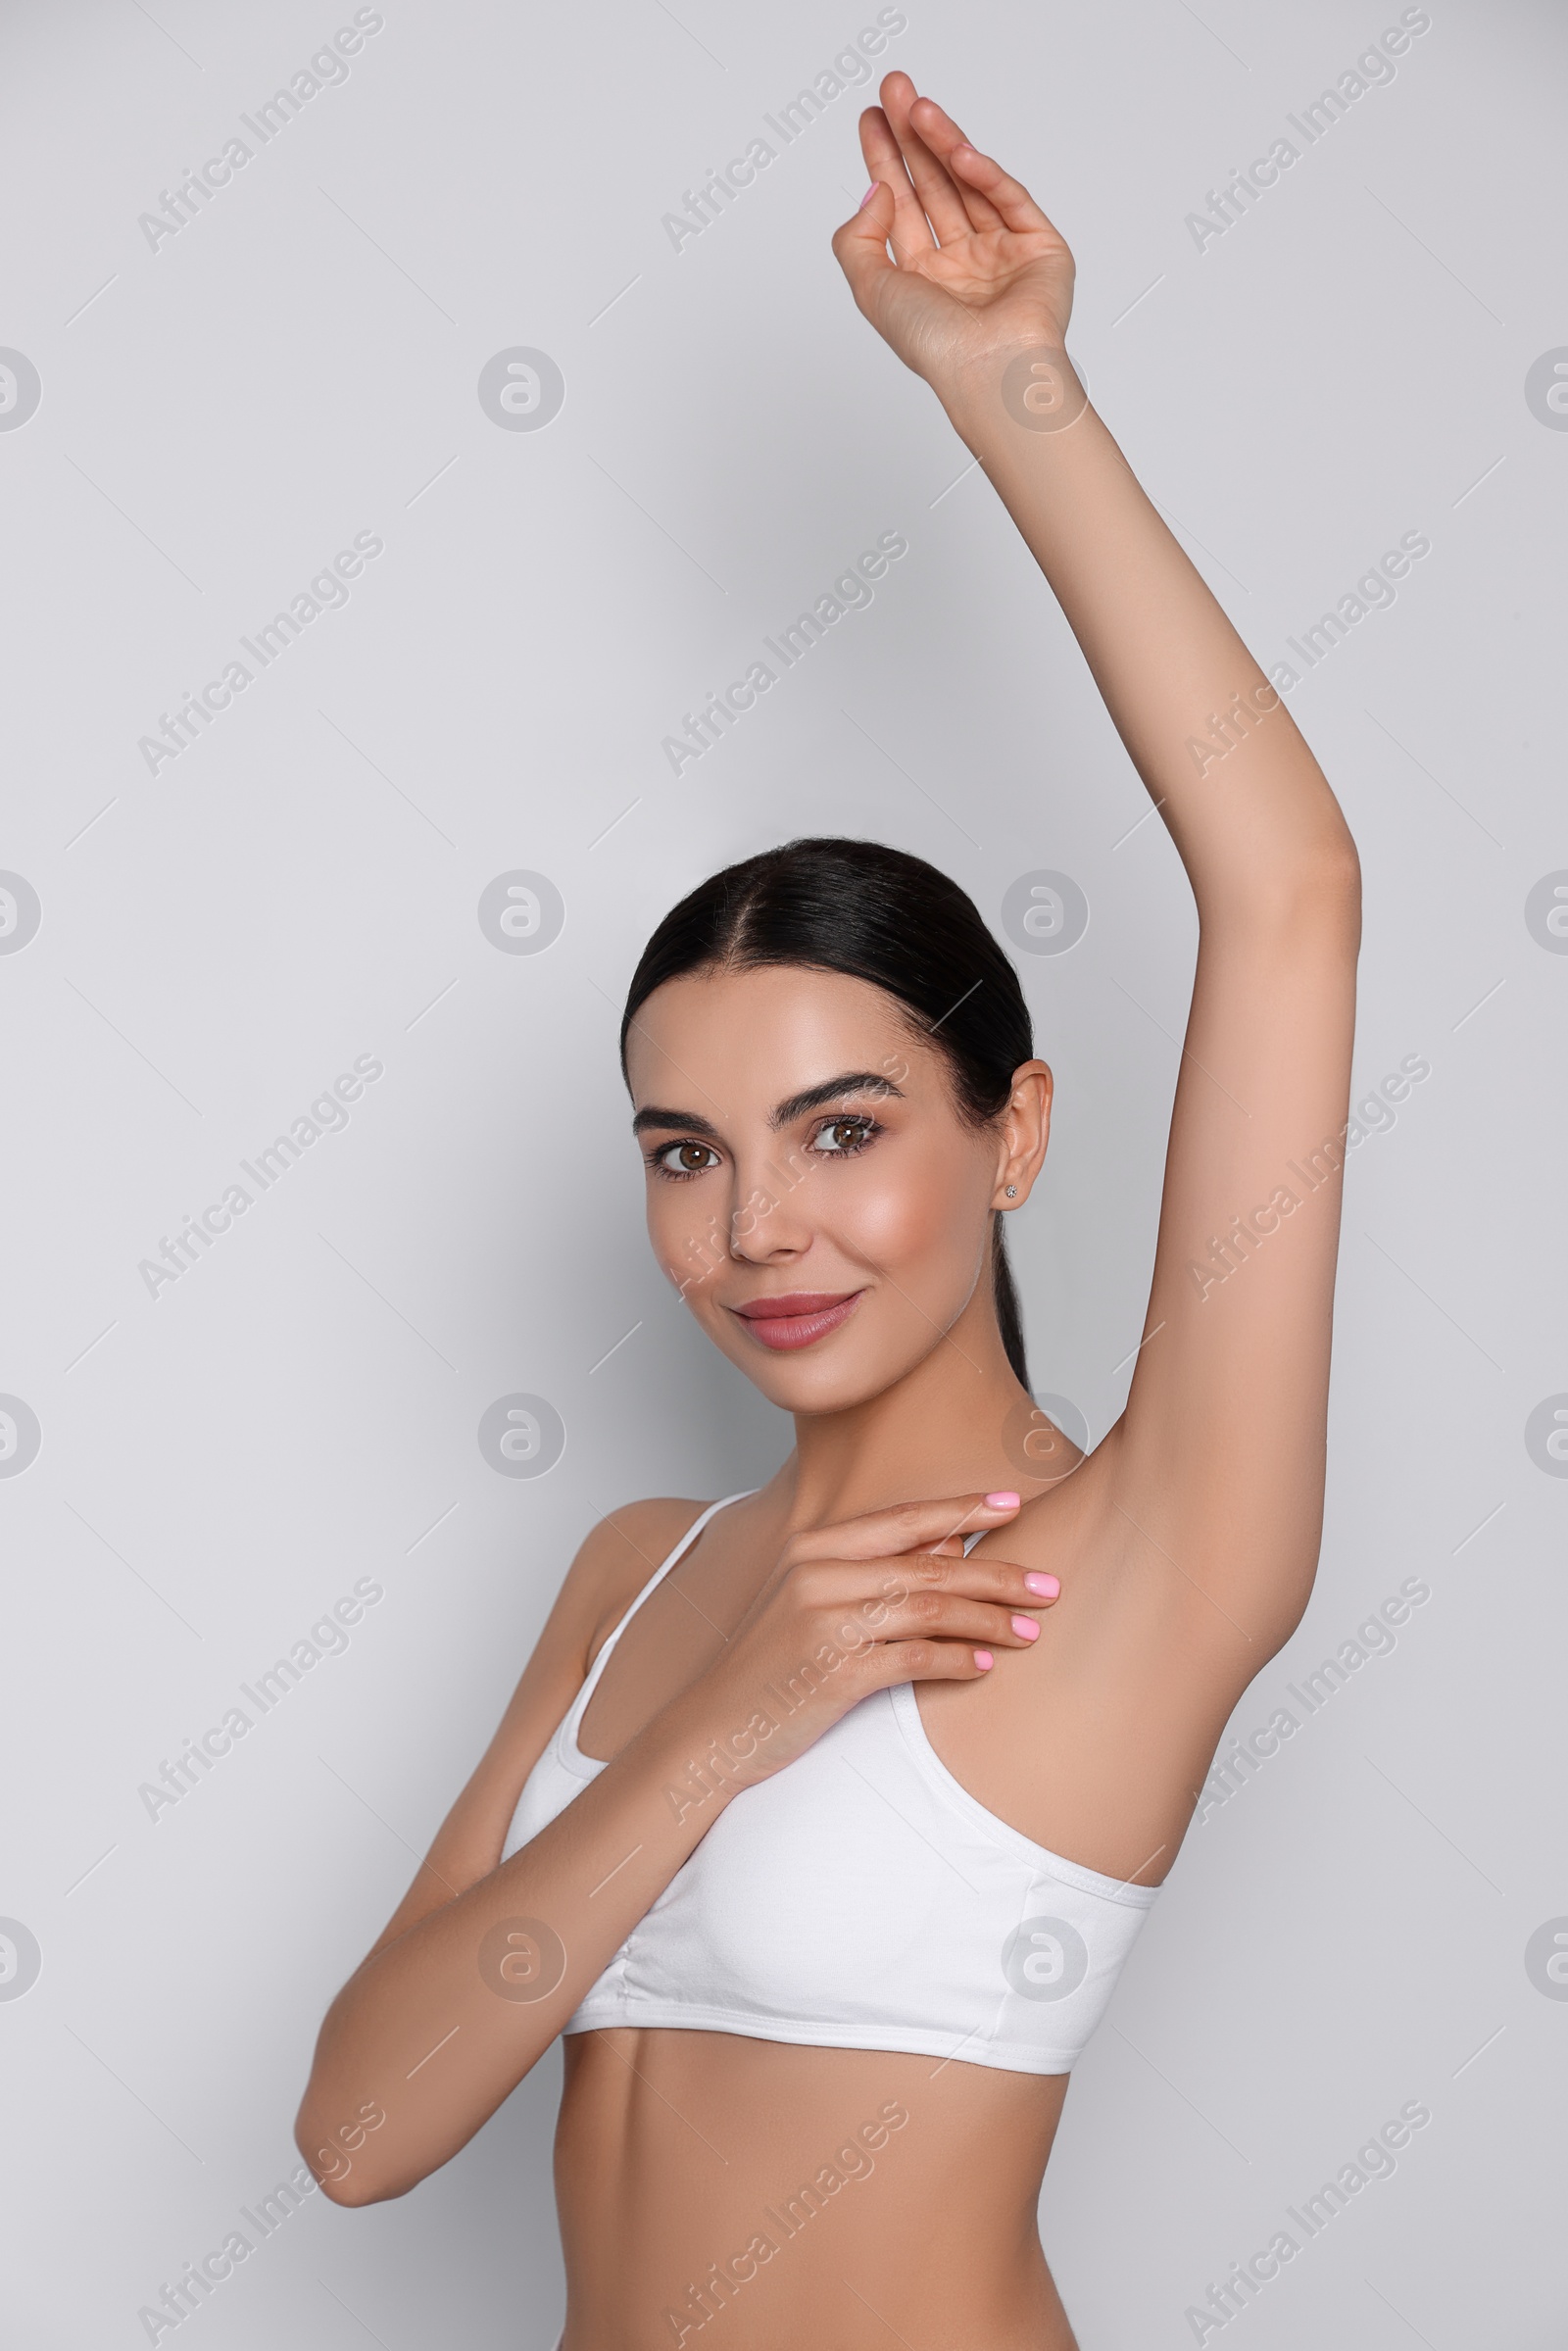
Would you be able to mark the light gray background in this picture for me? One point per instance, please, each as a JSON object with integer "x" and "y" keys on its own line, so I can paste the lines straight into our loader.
{"x": 221, "y": 1462}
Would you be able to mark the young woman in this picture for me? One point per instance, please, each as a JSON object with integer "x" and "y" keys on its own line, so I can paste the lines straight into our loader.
{"x": 820, "y": 1832}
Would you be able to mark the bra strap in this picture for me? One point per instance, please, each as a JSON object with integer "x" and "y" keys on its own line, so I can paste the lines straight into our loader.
{"x": 655, "y": 1580}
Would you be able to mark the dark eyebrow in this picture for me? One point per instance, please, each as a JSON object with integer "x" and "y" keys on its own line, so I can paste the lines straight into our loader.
{"x": 688, "y": 1122}
{"x": 814, "y": 1097}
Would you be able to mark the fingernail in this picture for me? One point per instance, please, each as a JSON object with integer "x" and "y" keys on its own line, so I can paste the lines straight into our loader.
{"x": 1001, "y": 1501}
{"x": 1048, "y": 1587}
{"x": 1026, "y": 1628}
{"x": 869, "y": 193}
{"x": 984, "y": 1659}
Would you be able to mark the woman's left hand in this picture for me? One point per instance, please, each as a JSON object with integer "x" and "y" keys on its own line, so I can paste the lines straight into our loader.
{"x": 976, "y": 268}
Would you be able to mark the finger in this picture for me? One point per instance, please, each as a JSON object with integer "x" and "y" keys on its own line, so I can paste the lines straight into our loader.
{"x": 951, "y": 1616}
{"x": 873, "y": 1594}
{"x": 985, "y": 176}
{"x": 929, "y": 1661}
{"x": 941, "y": 134}
{"x": 978, "y": 1575}
{"x": 906, "y": 1526}
{"x": 940, "y": 199}
{"x": 861, "y": 247}
{"x": 884, "y": 160}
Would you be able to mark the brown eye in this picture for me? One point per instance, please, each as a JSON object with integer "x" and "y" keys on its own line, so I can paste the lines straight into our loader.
{"x": 842, "y": 1136}
{"x": 685, "y": 1158}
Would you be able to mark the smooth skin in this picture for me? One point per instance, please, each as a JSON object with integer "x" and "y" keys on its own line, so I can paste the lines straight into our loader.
{"x": 802, "y": 1138}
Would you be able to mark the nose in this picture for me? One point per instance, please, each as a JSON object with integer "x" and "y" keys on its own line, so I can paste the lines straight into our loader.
{"x": 768, "y": 1223}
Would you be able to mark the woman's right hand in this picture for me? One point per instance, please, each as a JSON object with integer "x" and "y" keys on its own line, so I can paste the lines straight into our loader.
{"x": 853, "y": 1608}
{"x": 847, "y": 1610}
{"x": 976, "y": 268}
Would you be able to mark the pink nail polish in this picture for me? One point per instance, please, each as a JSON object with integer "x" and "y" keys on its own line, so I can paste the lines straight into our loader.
{"x": 869, "y": 193}
{"x": 1046, "y": 1587}
{"x": 1026, "y": 1628}
{"x": 983, "y": 1658}
{"x": 1001, "y": 1501}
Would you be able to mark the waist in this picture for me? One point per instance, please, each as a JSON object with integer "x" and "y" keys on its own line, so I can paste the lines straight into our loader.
{"x": 730, "y": 2171}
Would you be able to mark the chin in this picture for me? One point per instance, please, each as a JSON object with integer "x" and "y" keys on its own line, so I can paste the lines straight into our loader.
{"x": 835, "y": 1374}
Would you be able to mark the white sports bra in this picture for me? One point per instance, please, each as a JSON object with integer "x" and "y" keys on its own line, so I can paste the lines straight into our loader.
{"x": 860, "y": 1898}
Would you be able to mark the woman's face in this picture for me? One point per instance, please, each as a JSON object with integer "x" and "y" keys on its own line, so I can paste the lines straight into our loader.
{"x": 812, "y": 1191}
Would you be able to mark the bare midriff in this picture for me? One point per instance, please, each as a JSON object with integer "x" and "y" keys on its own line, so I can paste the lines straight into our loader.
{"x": 716, "y": 2189}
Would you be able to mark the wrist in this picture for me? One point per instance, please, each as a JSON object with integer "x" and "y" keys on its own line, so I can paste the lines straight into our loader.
{"x": 1013, "y": 397}
{"x": 702, "y": 1752}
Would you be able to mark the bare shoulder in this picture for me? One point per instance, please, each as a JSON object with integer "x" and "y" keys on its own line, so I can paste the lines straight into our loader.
{"x": 612, "y": 1563}
{"x": 616, "y": 1558}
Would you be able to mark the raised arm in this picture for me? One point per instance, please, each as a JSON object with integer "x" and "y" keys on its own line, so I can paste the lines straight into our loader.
{"x": 1217, "y": 1467}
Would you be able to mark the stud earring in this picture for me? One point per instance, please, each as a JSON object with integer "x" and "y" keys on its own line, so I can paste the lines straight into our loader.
{"x": 1012, "y": 1192}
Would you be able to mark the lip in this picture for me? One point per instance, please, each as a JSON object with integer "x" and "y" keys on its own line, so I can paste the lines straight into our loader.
{"x": 798, "y": 1319}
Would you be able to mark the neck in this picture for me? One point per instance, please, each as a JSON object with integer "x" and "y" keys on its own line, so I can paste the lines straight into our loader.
{"x": 936, "y": 1431}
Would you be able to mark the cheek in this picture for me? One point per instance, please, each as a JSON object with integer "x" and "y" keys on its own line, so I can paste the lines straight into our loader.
{"x": 917, "y": 1213}
{"x": 682, "y": 1225}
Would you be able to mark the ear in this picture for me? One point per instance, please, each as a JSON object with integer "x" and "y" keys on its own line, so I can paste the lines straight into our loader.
{"x": 1025, "y": 1131}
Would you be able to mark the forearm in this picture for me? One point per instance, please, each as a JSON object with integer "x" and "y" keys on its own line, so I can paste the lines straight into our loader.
{"x": 437, "y": 2027}
{"x": 1247, "y": 804}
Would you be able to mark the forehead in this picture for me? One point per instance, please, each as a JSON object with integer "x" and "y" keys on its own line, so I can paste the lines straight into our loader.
{"x": 766, "y": 1033}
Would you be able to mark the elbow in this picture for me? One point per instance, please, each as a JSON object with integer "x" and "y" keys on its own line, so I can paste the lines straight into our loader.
{"x": 1325, "y": 871}
{"x": 1313, "y": 898}
{"x": 347, "y": 2190}
{"x": 1335, "y": 874}
{"x": 340, "y": 2160}
{"x": 351, "y": 2190}
{"x": 347, "y": 2181}
{"x": 335, "y": 2173}
{"x": 1328, "y": 896}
